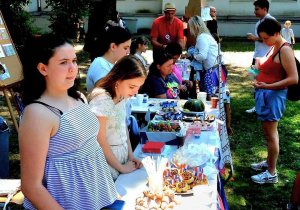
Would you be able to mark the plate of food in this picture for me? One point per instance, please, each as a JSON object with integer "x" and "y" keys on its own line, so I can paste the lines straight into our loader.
{"x": 187, "y": 111}
{"x": 209, "y": 118}
{"x": 182, "y": 181}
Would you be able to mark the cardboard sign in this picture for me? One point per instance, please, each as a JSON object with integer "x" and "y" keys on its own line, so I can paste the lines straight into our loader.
{"x": 11, "y": 70}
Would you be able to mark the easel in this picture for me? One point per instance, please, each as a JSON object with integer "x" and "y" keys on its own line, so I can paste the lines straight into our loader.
{"x": 9, "y": 88}
{"x": 14, "y": 67}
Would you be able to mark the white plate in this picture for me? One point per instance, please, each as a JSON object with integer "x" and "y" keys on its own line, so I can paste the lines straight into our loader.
{"x": 188, "y": 192}
{"x": 189, "y": 112}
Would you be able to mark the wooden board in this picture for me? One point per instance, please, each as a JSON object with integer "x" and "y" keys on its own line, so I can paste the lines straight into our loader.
{"x": 9, "y": 57}
{"x": 193, "y": 8}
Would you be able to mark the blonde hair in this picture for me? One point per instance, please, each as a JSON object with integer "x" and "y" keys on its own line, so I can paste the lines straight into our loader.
{"x": 288, "y": 23}
{"x": 197, "y": 26}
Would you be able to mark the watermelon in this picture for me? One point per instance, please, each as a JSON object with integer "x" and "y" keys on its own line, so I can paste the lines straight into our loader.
{"x": 194, "y": 105}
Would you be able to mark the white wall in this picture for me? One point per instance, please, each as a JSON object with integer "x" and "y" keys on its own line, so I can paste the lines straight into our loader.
{"x": 131, "y": 6}
{"x": 224, "y": 7}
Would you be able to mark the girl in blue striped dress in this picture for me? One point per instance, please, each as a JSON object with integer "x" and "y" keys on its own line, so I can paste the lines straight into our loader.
{"x": 62, "y": 163}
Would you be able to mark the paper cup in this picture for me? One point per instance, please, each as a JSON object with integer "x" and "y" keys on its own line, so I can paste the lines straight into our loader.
{"x": 201, "y": 96}
{"x": 133, "y": 100}
{"x": 139, "y": 99}
{"x": 214, "y": 102}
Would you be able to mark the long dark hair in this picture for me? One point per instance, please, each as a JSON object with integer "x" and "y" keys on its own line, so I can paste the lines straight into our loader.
{"x": 159, "y": 60}
{"x": 40, "y": 50}
{"x": 174, "y": 48}
{"x": 135, "y": 43}
{"x": 128, "y": 67}
{"x": 269, "y": 26}
{"x": 114, "y": 34}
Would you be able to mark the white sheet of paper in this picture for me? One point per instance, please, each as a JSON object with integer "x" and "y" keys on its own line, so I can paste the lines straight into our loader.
{"x": 9, "y": 49}
{"x": 4, "y": 75}
{"x": 9, "y": 185}
{"x": 2, "y": 54}
{"x": 205, "y": 13}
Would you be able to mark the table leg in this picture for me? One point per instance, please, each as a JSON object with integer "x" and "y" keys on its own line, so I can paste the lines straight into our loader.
{"x": 10, "y": 110}
{"x": 14, "y": 100}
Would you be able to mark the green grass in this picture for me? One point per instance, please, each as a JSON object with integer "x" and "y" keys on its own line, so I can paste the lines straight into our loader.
{"x": 247, "y": 144}
{"x": 242, "y": 44}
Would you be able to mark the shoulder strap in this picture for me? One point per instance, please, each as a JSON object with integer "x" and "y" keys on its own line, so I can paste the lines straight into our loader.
{"x": 53, "y": 109}
{"x": 284, "y": 44}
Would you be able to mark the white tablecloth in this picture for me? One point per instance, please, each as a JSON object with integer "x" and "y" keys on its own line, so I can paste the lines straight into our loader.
{"x": 131, "y": 185}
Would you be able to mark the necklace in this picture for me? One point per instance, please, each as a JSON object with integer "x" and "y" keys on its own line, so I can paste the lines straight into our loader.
{"x": 117, "y": 100}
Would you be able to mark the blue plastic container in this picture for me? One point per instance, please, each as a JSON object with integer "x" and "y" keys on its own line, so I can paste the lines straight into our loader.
{"x": 4, "y": 157}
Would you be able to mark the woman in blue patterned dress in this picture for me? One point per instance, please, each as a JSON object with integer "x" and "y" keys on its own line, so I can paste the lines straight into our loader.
{"x": 108, "y": 102}
{"x": 62, "y": 163}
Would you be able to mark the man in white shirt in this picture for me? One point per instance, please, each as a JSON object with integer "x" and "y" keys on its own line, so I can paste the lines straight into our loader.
{"x": 261, "y": 9}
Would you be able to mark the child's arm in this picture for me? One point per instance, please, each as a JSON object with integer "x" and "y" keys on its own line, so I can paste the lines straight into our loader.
{"x": 109, "y": 155}
{"x": 138, "y": 163}
{"x": 293, "y": 37}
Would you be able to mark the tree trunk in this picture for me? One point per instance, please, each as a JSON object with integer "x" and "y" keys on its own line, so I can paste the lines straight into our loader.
{"x": 100, "y": 14}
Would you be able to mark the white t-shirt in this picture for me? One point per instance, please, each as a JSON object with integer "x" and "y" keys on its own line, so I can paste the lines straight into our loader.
{"x": 260, "y": 48}
{"x": 206, "y": 50}
{"x": 287, "y": 34}
{"x": 141, "y": 59}
{"x": 99, "y": 68}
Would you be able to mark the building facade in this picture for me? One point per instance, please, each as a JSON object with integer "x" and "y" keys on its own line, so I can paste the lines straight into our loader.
{"x": 235, "y": 17}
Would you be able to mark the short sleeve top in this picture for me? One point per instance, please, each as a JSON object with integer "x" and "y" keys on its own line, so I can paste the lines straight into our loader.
{"x": 99, "y": 68}
{"x": 103, "y": 106}
{"x": 287, "y": 34}
{"x": 167, "y": 32}
{"x": 157, "y": 86}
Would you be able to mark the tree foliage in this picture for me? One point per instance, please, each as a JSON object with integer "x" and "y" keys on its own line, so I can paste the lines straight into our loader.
{"x": 18, "y": 21}
{"x": 65, "y": 15}
{"x": 101, "y": 12}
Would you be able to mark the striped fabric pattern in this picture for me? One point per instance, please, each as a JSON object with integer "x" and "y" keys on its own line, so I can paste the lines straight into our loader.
{"x": 76, "y": 172}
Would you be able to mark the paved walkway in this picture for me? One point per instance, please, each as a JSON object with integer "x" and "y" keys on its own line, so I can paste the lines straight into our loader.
{"x": 240, "y": 59}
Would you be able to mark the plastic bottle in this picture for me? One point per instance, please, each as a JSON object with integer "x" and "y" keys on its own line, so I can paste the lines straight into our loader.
{"x": 145, "y": 100}
{"x": 197, "y": 87}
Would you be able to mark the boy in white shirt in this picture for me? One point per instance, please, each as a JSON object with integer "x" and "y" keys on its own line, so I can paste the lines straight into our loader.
{"x": 287, "y": 33}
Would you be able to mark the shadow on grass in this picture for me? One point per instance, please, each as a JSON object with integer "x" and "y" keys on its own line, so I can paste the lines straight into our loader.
{"x": 248, "y": 145}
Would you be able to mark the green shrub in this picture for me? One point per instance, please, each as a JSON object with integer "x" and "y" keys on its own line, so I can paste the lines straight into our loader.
{"x": 18, "y": 21}
{"x": 143, "y": 11}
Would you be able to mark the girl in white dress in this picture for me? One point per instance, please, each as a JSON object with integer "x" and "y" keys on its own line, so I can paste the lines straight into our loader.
{"x": 108, "y": 102}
